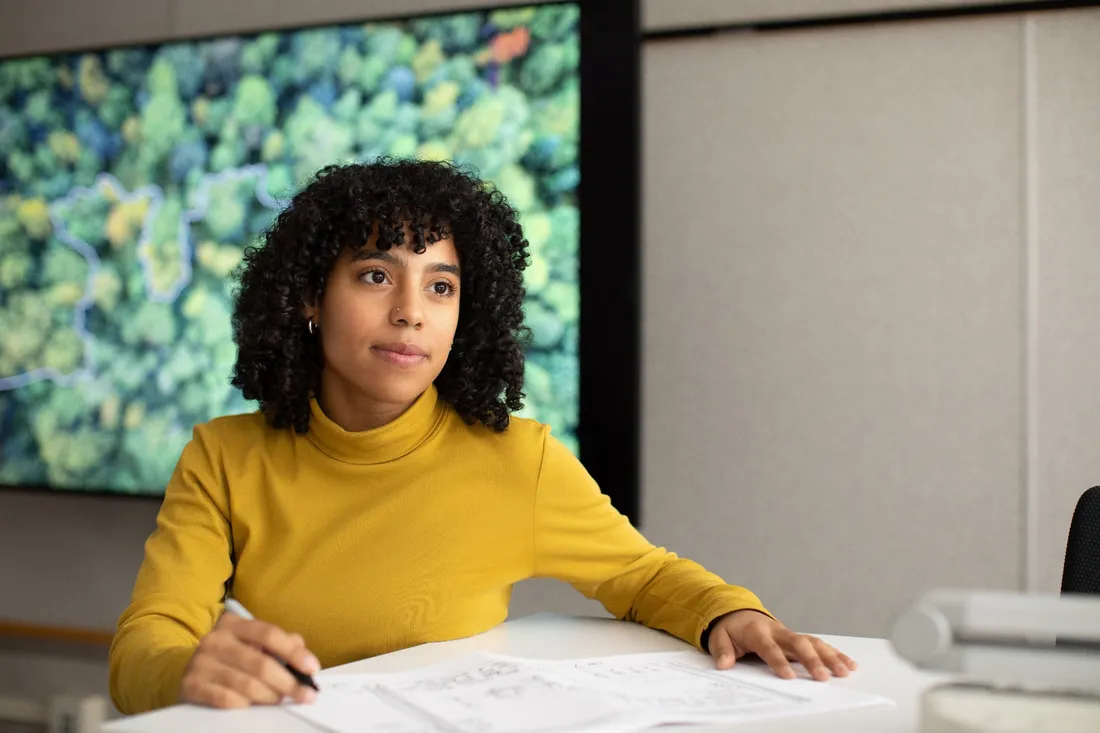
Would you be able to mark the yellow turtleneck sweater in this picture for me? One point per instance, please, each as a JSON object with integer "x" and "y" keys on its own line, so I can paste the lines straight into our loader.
{"x": 365, "y": 543}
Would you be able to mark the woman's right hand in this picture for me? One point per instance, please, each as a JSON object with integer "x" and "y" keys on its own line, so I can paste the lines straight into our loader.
{"x": 233, "y": 666}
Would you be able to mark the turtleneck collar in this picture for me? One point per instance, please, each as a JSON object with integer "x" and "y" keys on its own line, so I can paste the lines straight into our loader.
{"x": 385, "y": 443}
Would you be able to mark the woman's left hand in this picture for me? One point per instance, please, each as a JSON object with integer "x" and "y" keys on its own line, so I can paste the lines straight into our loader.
{"x": 749, "y": 632}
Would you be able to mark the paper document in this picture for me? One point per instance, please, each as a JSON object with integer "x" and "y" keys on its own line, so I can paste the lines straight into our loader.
{"x": 489, "y": 693}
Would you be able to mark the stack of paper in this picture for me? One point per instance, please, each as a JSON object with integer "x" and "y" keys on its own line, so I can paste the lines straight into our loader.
{"x": 487, "y": 693}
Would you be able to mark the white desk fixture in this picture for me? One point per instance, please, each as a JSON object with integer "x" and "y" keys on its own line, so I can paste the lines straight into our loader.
{"x": 1021, "y": 662}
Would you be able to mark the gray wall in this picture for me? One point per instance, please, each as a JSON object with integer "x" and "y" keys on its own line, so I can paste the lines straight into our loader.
{"x": 1064, "y": 187}
{"x": 868, "y": 313}
{"x": 670, "y": 14}
{"x": 869, "y": 307}
{"x": 832, "y": 319}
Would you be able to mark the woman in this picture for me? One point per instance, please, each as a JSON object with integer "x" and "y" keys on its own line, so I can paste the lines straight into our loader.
{"x": 383, "y": 497}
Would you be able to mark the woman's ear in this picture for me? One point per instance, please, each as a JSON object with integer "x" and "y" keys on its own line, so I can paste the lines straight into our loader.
{"x": 312, "y": 316}
{"x": 311, "y": 312}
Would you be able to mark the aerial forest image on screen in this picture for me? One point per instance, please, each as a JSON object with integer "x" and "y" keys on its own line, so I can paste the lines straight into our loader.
{"x": 132, "y": 179}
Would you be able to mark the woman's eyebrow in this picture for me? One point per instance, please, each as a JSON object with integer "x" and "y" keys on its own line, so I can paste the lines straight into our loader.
{"x": 445, "y": 267}
{"x": 366, "y": 255}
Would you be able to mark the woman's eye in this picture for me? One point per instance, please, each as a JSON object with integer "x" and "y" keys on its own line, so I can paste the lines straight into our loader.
{"x": 376, "y": 277}
{"x": 442, "y": 288}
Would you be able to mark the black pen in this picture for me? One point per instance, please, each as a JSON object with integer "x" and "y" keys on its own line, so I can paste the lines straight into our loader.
{"x": 237, "y": 609}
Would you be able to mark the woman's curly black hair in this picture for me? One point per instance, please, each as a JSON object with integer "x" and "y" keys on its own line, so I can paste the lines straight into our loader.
{"x": 279, "y": 363}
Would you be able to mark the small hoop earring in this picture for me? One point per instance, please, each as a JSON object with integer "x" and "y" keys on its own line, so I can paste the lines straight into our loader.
{"x": 310, "y": 326}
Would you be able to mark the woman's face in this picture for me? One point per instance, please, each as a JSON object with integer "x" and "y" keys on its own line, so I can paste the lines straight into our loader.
{"x": 387, "y": 320}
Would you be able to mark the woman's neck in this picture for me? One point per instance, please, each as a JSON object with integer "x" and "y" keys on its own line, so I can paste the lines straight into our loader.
{"x": 352, "y": 410}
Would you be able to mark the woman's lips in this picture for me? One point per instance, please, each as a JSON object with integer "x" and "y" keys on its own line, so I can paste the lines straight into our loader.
{"x": 401, "y": 354}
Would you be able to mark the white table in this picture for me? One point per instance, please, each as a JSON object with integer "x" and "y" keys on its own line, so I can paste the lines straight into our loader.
{"x": 550, "y": 636}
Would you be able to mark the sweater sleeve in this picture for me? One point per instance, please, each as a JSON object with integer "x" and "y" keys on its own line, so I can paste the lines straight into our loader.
{"x": 581, "y": 539}
{"x": 180, "y": 587}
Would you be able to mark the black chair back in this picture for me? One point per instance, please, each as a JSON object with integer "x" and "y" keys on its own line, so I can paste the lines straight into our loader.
{"x": 1081, "y": 573}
